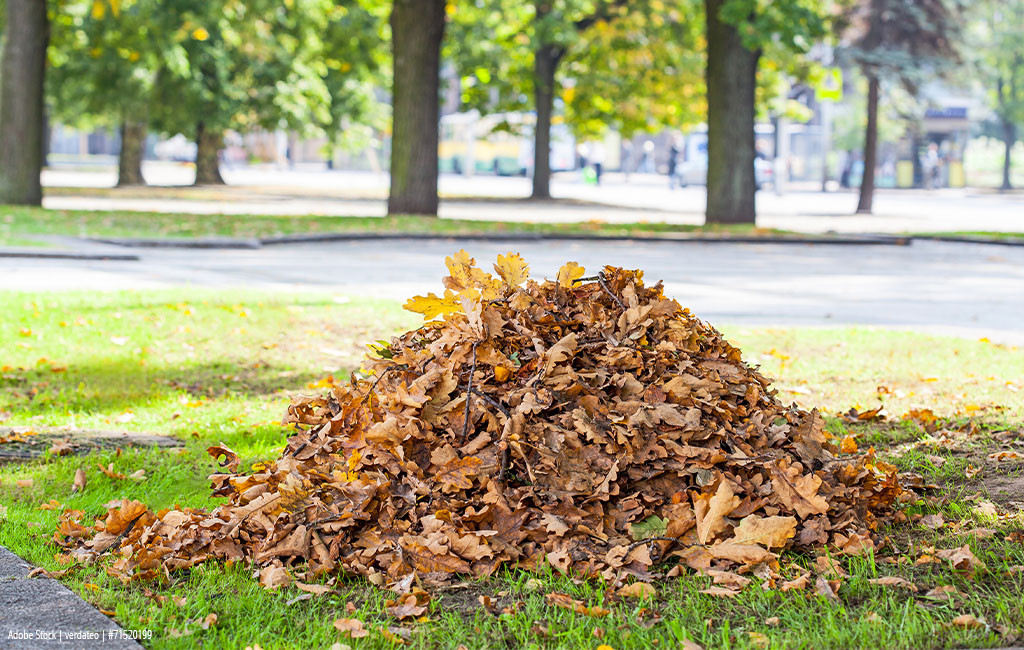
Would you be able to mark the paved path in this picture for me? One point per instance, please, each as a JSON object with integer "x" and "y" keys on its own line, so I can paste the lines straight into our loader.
{"x": 42, "y": 613}
{"x": 971, "y": 290}
{"x": 645, "y": 197}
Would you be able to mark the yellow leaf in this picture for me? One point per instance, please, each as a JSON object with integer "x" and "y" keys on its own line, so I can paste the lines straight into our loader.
{"x": 98, "y": 9}
{"x": 848, "y": 445}
{"x": 432, "y": 306}
{"x": 512, "y": 268}
{"x": 200, "y": 34}
{"x": 767, "y": 531}
{"x": 569, "y": 272}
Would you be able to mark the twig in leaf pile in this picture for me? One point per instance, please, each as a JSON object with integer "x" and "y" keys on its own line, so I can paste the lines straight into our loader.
{"x": 487, "y": 398}
{"x": 469, "y": 396}
{"x": 604, "y": 285}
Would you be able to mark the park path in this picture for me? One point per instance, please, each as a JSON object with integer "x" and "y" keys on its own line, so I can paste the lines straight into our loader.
{"x": 39, "y": 612}
{"x": 645, "y": 197}
{"x": 970, "y": 290}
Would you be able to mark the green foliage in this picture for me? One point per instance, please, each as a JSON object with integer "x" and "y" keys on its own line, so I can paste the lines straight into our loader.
{"x": 632, "y": 66}
{"x": 996, "y": 51}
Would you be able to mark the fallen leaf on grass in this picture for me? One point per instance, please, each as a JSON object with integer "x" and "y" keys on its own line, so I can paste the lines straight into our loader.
{"x": 61, "y": 448}
{"x": 566, "y": 601}
{"x": 721, "y": 592}
{"x": 797, "y": 583}
{"x": 636, "y": 590}
{"x": 409, "y": 605}
{"x": 728, "y": 579}
{"x": 772, "y": 620}
{"x": 962, "y": 559}
{"x": 981, "y": 533}
{"x": 942, "y": 593}
{"x": 871, "y": 617}
{"x": 351, "y": 627}
{"x": 209, "y": 621}
{"x": 968, "y": 621}
{"x": 80, "y": 481}
{"x": 828, "y": 588}
{"x": 314, "y": 589}
{"x": 394, "y": 634}
{"x": 1006, "y": 455}
{"x": 770, "y": 532}
{"x": 273, "y": 577}
{"x": 52, "y": 504}
{"x": 690, "y": 645}
{"x": 894, "y": 581}
{"x": 24, "y": 483}
{"x": 933, "y": 521}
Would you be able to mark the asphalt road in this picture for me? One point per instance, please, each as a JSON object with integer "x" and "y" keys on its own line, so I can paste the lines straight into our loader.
{"x": 971, "y": 290}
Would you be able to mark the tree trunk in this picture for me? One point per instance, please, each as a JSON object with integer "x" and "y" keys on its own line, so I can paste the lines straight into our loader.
{"x": 129, "y": 161}
{"x": 545, "y": 63}
{"x": 21, "y": 102}
{"x": 1009, "y": 139}
{"x": 208, "y": 144}
{"x": 417, "y": 28}
{"x": 731, "y": 78}
{"x": 867, "y": 183}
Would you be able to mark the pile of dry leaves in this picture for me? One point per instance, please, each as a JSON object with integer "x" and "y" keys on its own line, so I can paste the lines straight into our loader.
{"x": 587, "y": 422}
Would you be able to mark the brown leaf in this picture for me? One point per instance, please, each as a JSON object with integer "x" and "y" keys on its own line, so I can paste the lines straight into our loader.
{"x": 457, "y": 473}
{"x": 711, "y": 511}
{"x": 968, "y": 621}
{"x": 80, "y": 481}
{"x": 566, "y": 601}
{"x": 407, "y": 606}
{"x": 798, "y": 492}
{"x": 351, "y": 627}
{"x": 963, "y": 560}
{"x": 721, "y": 592}
{"x": 272, "y": 577}
{"x": 230, "y": 461}
{"x": 828, "y": 588}
{"x": 636, "y": 590}
{"x": 767, "y": 531}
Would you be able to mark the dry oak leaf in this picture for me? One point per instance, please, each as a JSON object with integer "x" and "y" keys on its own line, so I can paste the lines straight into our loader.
{"x": 512, "y": 268}
{"x": 942, "y": 593}
{"x": 566, "y": 601}
{"x": 272, "y": 577}
{"x": 962, "y": 559}
{"x": 770, "y": 532}
{"x": 315, "y": 589}
{"x": 230, "y": 462}
{"x": 407, "y": 606}
{"x": 432, "y": 306}
{"x": 799, "y": 583}
{"x": 711, "y": 511}
{"x": 894, "y": 581}
{"x": 728, "y": 579}
{"x": 569, "y": 272}
{"x": 932, "y": 521}
{"x": 351, "y": 627}
{"x": 80, "y": 481}
{"x": 456, "y": 473}
{"x": 690, "y": 645}
{"x": 798, "y": 492}
{"x": 721, "y": 592}
{"x": 828, "y": 588}
{"x": 636, "y": 590}
{"x": 968, "y": 621}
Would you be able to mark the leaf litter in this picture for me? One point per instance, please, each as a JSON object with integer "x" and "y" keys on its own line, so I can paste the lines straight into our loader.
{"x": 589, "y": 423}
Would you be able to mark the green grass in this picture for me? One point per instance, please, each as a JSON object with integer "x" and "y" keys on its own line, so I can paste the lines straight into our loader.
{"x": 16, "y": 222}
{"x": 214, "y": 367}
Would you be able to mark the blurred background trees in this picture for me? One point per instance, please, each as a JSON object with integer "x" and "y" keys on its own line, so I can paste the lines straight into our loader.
{"x": 352, "y": 73}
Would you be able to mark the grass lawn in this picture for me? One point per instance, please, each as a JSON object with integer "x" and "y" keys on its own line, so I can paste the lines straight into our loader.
{"x": 17, "y": 221}
{"x": 217, "y": 367}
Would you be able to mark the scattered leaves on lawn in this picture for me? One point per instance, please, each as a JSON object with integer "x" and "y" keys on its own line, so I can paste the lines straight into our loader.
{"x": 351, "y": 627}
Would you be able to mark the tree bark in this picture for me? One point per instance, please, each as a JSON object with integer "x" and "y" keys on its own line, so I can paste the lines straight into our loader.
{"x": 208, "y": 144}
{"x": 417, "y": 29}
{"x": 21, "y": 102}
{"x": 545, "y": 63}
{"x": 731, "y": 76}
{"x": 1009, "y": 139}
{"x": 129, "y": 161}
{"x": 867, "y": 183}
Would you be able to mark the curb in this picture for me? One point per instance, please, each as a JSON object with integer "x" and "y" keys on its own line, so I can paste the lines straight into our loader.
{"x": 211, "y": 242}
{"x": 1009, "y": 241}
{"x": 29, "y": 606}
{"x": 57, "y": 255}
{"x": 226, "y": 243}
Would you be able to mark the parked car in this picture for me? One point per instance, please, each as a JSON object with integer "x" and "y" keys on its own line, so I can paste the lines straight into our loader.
{"x": 695, "y": 172}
